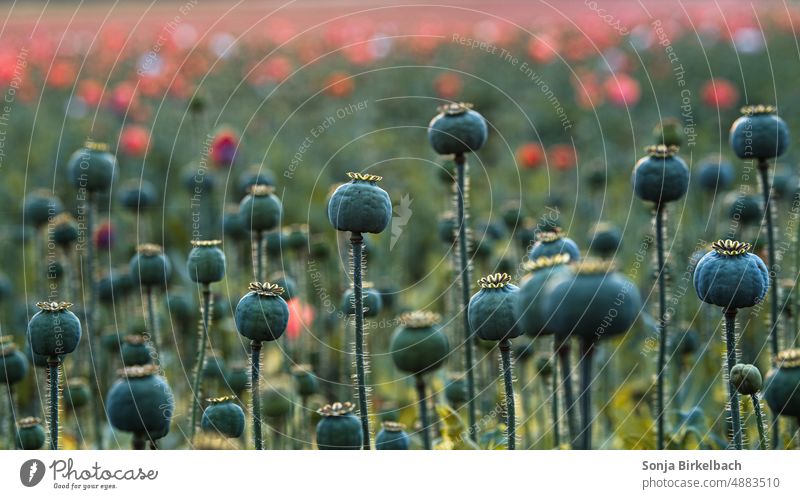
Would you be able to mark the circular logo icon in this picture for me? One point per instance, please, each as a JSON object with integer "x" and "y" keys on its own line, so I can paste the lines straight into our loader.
{"x": 31, "y": 472}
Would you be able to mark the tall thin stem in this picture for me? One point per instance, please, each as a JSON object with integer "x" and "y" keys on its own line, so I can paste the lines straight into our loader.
{"x": 423, "y": 412}
{"x": 508, "y": 384}
{"x": 152, "y": 321}
{"x": 255, "y": 365}
{"x": 762, "y": 436}
{"x": 554, "y": 398}
{"x": 357, "y": 242}
{"x": 197, "y": 386}
{"x": 463, "y": 257}
{"x": 763, "y": 169}
{"x": 259, "y": 256}
{"x": 52, "y": 374}
{"x": 12, "y": 419}
{"x": 564, "y": 353}
{"x": 587, "y": 356}
{"x": 731, "y": 357}
{"x": 662, "y": 327}
{"x": 94, "y": 343}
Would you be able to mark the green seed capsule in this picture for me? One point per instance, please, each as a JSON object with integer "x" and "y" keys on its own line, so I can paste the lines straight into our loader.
{"x": 54, "y": 331}
{"x": 30, "y": 434}
{"x": 141, "y": 402}
{"x": 223, "y": 415}
{"x": 91, "y": 168}
{"x": 419, "y": 345}
{"x": 339, "y": 428}
{"x": 150, "y": 267}
{"x": 206, "y": 262}
{"x": 392, "y": 437}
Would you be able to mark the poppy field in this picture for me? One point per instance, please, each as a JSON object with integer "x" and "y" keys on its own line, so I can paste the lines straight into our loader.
{"x": 566, "y": 225}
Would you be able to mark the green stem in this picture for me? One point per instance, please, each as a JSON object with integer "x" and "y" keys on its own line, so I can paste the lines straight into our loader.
{"x": 587, "y": 355}
{"x": 508, "y": 383}
{"x": 259, "y": 256}
{"x": 762, "y": 437}
{"x": 197, "y": 386}
{"x": 357, "y": 242}
{"x": 569, "y": 399}
{"x": 94, "y": 344}
{"x": 12, "y": 419}
{"x": 730, "y": 351}
{"x": 469, "y": 346}
{"x": 255, "y": 347}
{"x": 152, "y": 322}
{"x": 423, "y": 412}
{"x": 662, "y": 327}
{"x": 52, "y": 370}
{"x": 763, "y": 169}
{"x": 554, "y": 410}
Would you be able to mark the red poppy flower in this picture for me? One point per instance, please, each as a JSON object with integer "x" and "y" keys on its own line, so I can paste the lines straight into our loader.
{"x": 719, "y": 93}
{"x": 134, "y": 141}
{"x": 103, "y": 238}
{"x": 622, "y": 90}
{"x": 530, "y": 155}
{"x": 563, "y": 156}
{"x": 123, "y": 97}
{"x": 339, "y": 84}
{"x": 448, "y": 85}
{"x": 90, "y": 92}
{"x": 61, "y": 75}
{"x": 301, "y": 315}
{"x": 224, "y": 147}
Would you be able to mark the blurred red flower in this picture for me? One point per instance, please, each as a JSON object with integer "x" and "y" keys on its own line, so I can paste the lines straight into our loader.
{"x": 123, "y": 97}
{"x": 61, "y": 75}
{"x": 134, "y": 141}
{"x": 719, "y": 93}
{"x": 530, "y": 155}
{"x": 339, "y": 84}
{"x": 224, "y": 147}
{"x": 104, "y": 236}
{"x": 448, "y": 85}
{"x": 622, "y": 90}
{"x": 563, "y": 156}
{"x": 301, "y": 316}
{"x": 90, "y": 92}
{"x": 543, "y": 48}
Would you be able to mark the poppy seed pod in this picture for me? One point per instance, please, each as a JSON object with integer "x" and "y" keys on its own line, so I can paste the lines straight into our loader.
{"x": 261, "y": 314}
{"x": 730, "y": 277}
{"x": 223, "y": 415}
{"x": 744, "y": 208}
{"x": 455, "y": 391}
{"x": 305, "y": 380}
{"x": 419, "y": 346}
{"x": 150, "y": 267}
{"x": 30, "y": 434}
{"x": 233, "y": 225}
{"x": 551, "y": 242}
{"x": 490, "y": 312}
{"x": 54, "y": 331}
{"x": 141, "y": 402}
{"x": 137, "y": 195}
{"x": 360, "y": 205}
{"x": 392, "y": 436}
{"x": 261, "y": 210}
{"x": 40, "y": 207}
{"x": 746, "y": 378}
{"x": 256, "y": 175}
{"x": 782, "y": 386}
{"x": 76, "y": 393}
{"x": 661, "y": 176}
{"x": 135, "y": 351}
{"x": 287, "y": 283}
{"x": 276, "y": 403}
{"x": 65, "y": 230}
{"x": 528, "y": 311}
{"x": 13, "y": 364}
{"x": 297, "y": 237}
{"x": 715, "y": 174}
{"x": 115, "y": 286}
{"x": 339, "y": 428}
{"x": 237, "y": 378}
{"x": 608, "y": 302}
{"x": 373, "y": 302}
{"x": 457, "y": 129}
{"x": 759, "y": 133}
{"x": 206, "y": 262}
{"x": 605, "y": 240}
{"x": 92, "y": 167}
